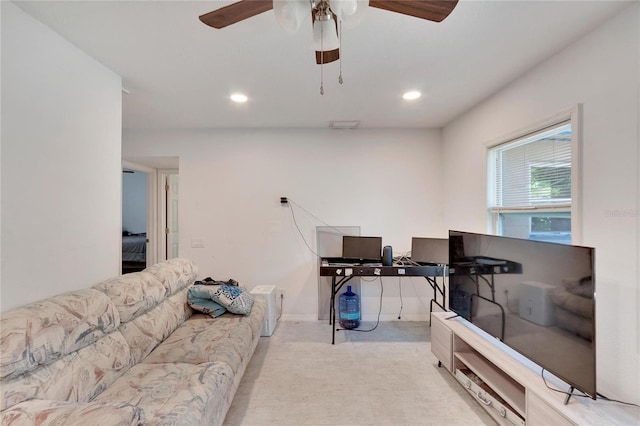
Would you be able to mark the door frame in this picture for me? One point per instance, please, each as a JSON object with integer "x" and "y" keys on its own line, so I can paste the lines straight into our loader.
{"x": 161, "y": 225}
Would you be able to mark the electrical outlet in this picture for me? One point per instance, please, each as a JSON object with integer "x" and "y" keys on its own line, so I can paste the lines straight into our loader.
{"x": 197, "y": 243}
{"x": 284, "y": 201}
{"x": 281, "y": 291}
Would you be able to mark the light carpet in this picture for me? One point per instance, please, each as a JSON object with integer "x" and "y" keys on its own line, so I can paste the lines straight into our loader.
{"x": 385, "y": 377}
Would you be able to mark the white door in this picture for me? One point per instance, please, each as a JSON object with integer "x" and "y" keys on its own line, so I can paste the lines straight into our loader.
{"x": 172, "y": 216}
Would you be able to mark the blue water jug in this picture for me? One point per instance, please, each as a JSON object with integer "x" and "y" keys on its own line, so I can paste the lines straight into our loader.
{"x": 349, "y": 309}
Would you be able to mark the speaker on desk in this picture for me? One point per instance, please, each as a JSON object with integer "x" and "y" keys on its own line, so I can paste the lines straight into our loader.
{"x": 387, "y": 256}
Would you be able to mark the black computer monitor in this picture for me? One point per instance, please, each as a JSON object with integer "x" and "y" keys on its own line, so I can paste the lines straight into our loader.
{"x": 362, "y": 248}
{"x": 430, "y": 250}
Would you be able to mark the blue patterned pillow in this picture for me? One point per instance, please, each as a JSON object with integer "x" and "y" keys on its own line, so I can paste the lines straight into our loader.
{"x": 233, "y": 298}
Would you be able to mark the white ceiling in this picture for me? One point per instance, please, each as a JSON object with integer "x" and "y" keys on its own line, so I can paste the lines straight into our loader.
{"x": 180, "y": 72}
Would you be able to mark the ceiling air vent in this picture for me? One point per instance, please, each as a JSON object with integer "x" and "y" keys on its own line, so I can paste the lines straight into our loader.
{"x": 344, "y": 124}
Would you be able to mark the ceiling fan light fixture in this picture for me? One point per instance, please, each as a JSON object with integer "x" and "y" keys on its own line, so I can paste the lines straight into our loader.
{"x": 325, "y": 33}
{"x": 411, "y": 96}
{"x": 349, "y": 12}
{"x": 291, "y": 13}
{"x": 343, "y": 8}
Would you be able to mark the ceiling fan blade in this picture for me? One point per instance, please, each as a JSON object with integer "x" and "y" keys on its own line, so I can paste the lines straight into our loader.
{"x": 235, "y": 12}
{"x": 327, "y": 56}
{"x": 431, "y": 10}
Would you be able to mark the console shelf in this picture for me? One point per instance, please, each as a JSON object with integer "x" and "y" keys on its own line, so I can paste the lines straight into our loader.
{"x": 508, "y": 389}
{"x": 508, "y": 385}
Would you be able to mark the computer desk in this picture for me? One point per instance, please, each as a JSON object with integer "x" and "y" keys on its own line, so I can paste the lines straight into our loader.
{"x": 341, "y": 273}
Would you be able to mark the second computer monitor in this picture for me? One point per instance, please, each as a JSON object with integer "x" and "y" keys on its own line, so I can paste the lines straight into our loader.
{"x": 430, "y": 250}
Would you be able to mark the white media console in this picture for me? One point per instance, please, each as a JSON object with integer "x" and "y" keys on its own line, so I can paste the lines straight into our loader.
{"x": 508, "y": 385}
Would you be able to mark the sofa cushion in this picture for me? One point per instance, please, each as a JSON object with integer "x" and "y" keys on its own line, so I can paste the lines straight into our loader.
{"x": 41, "y": 332}
{"x": 133, "y": 294}
{"x": 255, "y": 319}
{"x": 146, "y": 331}
{"x": 44, "y": 412}
{"x": 174, "y": 274}
{"x": 76, "y": 377}
{"x": 175, "y": 394}
{"x": 203, "y": 339}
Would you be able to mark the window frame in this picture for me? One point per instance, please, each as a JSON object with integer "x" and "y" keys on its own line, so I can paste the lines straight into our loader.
{"x": 572, "y": 116}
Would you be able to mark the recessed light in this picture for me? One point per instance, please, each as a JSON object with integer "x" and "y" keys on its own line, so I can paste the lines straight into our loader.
{"x": 410, "y": 96}
{"x": 239, "y": 98}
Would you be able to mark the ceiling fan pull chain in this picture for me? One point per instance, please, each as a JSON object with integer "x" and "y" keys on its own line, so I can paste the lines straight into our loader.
{"x": 340, "y": 52}
{"x": 321, "y": 61}
{"x": 321, "y": 72}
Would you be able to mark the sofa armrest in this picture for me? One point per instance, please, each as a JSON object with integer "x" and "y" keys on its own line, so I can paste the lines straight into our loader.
{"x": 47, "y": 412}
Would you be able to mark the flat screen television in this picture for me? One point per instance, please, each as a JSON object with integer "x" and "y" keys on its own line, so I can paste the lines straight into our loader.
{"x": 536, "y": 297}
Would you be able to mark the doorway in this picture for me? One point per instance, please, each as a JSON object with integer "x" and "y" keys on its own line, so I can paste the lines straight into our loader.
{"x": 158, "y": 203}
{"x": 134, "y": 219}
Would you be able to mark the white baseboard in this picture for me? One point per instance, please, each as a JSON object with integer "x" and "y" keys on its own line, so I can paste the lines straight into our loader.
{"x": 367, "y": 318}
{"x": 394, "y": 317}
{"x": 299, "y": 317}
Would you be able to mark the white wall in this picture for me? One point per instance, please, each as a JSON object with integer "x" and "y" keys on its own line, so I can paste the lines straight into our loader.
{"x": 61, "y": 164}
{"x": 387, "y": 182}
{"x": 600, "y": 71}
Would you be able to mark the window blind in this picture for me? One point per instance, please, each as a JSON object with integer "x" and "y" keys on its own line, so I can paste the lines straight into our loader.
{"x": 532, "y": 172}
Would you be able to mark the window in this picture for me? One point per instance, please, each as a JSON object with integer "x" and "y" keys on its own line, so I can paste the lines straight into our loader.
{"x": 531, "y": 180}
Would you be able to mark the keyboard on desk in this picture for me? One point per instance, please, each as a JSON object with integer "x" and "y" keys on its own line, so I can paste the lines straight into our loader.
{"x": 345, "y": 262}
{"x": 426, "y": 263}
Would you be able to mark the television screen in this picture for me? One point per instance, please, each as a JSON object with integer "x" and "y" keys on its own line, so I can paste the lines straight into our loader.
{"x": 536, "y": 297}
{"x": 362, "y": 248}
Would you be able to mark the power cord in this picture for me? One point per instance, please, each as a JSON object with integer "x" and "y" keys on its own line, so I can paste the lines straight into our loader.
{"x": 615, "y": 400}
{"x": 315, "y": 217}
{"x": 299, "y": 231}
{"x": 290, "y": 202}
{"x": 401, "y": 302}
{"x": 583, "y": 395}
{"x": 404, "y": 259}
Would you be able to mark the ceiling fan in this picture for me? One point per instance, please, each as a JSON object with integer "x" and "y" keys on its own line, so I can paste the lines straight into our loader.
{"x": 327, "y": 16}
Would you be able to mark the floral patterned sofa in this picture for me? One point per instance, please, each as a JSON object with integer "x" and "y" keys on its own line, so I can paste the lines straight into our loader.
{"x": 127, "y": 351}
